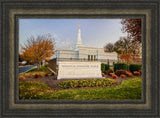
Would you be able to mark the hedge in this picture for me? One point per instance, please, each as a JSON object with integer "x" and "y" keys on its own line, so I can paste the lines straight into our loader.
{"x": 135, "y": 67}
{"x": 86, "y": 83}
{"x": 120, "y": 66}
{"x": 104, "y": 67}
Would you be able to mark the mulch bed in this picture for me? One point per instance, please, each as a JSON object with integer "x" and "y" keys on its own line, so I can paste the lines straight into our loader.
{"x": 52, "y": 82}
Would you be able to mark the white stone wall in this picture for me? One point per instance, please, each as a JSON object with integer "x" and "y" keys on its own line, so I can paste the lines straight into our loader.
{"x": 83, "y": 52}
{"x": 79, "y": 70}
{"x": 67, "y": 54}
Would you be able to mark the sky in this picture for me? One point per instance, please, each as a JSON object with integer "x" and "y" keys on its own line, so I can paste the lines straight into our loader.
{"x": 94, "y": 32}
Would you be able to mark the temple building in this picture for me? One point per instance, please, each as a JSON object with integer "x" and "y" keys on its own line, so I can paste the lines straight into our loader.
{"x": 84, "y": 53}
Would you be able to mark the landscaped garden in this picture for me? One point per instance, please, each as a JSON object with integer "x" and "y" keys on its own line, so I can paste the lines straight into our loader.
{"x": 35, "y": 73}
{"x": 121, "y": 70}
{"x": 129, "y": 89}
{"x": 120, "y": 82}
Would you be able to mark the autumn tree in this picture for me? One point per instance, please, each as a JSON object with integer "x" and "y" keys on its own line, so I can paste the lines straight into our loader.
{"x": 134, "y": 31}
{"x": 109, "y": 47}
{"x": 127, "y": 49}
{"x": 35, "y": 50}
{"x": 133, "y": 28}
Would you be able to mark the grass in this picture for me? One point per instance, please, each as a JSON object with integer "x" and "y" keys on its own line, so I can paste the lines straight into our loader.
{"x": 128, "y": 90}
{"x": 33, "y": 90}
{"x": 43, "y": 70}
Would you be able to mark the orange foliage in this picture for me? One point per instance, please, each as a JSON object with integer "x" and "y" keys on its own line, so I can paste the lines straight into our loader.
{"x": 38, "y": 49}
{"x": 113, "y": 76}
{"x": 126, "y": 57}
{"x": 129, "y": 74}
{"x": 22, "y": 78}
{"x": 140, "y": 71}
{"x": 136, "y": 73}
{"x": 103, "y": 75}
{"x": 123, "y": 76}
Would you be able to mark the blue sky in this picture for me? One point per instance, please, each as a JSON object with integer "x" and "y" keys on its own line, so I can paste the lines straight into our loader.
{"x": 94, "y": 32}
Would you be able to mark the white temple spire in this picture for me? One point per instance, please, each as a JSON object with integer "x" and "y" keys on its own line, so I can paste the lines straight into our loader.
{"x": 79, "y": 40}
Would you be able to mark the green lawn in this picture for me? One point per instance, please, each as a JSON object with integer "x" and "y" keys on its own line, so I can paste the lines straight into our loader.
{"x": 129, "y": 89}
{"x": 42, "y": 69}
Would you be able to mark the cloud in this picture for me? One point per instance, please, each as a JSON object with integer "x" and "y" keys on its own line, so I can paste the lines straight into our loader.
{"x": 63, "y": 43}
{"x": 66, "y": 44}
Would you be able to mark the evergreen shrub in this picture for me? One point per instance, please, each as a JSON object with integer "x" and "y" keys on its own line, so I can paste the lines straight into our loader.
{"x": 104, "y": 67}
{"x": 135, "y": 67}
{"x": 120, "y": 66}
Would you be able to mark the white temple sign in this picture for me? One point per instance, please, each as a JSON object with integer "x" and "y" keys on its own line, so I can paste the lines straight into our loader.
{"x": 79, "y": 70}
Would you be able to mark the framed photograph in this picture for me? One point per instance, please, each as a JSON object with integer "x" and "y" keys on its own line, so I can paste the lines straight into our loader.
{"x": 79, "y": 58}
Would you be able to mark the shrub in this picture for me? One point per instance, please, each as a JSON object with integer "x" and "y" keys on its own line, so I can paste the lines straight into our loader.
{"x": 33, "y": 90}
{"x": 46, "y": 75}
{"x": 86, "y": 83}
{"x": 36, "y": 76}
{"x": 136, "y": 73}
{"x": 119, "y": 72}
{"x": 114, "y": 76}
{"x": 123, "y": 76}
{"x": 120, "y": 66}
{"x": 46, "y": 65}
{"x": 140, "y": 72}
{"x": 103, "y": 74}
{"x": 109, "y": 71}
{"x": 135, "y": 67}
{"x": 129, "y": 74}
{"x": 111, "y": 74}
{"x": 104, "y": 67}
{"x": 22, "y": 78}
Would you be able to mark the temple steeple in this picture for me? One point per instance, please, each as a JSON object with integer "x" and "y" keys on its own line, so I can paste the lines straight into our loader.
{"x": 79, "y": 41}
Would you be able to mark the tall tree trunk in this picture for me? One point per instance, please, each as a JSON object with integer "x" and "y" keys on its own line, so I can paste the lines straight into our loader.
{"x": 39, "y": 65}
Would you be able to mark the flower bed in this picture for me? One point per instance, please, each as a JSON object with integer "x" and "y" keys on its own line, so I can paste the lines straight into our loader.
{"x": 86, "y": 83}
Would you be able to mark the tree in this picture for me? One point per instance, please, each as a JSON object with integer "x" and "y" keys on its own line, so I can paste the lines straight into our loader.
{"x": 133, "y": 28}
{"x": 127, "y": 49}
{"x": 37, "y": 49}
{"x": 20, "y": 58}
{"x": 123, "y": 45}
{"x": 126, "y": 57}
{"x": 109, "y": 47}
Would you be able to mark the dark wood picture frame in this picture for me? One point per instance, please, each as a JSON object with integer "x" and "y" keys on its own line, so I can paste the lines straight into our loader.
{"x": 12, "y": 10}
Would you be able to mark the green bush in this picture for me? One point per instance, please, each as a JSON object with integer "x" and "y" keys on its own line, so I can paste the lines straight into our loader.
{"x": 135, "y": 67}
{"x": 86, "y": 83}
{"x": 104, "y": 67}
{"x": 120, "y": 66}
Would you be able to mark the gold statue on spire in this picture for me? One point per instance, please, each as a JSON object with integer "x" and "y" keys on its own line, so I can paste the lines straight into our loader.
{"x": 79, "y": 25}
